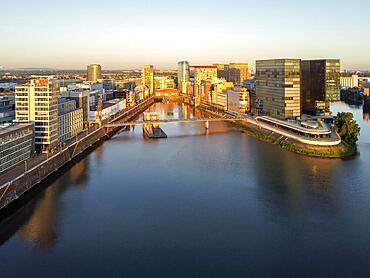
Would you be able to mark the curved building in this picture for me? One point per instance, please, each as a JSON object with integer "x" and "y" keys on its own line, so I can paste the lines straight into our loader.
{"x": 183, "y": 76}
{"x": 94, "y": 72}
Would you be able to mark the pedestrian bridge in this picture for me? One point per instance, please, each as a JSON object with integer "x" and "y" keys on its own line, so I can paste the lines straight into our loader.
{"x": 195, "y": 120}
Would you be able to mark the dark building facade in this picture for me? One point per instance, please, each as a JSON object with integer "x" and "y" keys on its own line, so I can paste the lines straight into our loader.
{"x": 320, "y": 84}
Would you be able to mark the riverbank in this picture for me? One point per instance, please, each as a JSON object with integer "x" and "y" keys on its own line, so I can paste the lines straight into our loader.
{"x": 342, "y": 150}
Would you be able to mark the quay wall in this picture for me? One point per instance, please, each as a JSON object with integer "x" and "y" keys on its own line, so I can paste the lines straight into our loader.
{"x": 44, "y": 167}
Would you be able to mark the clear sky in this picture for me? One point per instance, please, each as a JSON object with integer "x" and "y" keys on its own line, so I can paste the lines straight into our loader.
{"x": 124, "y": 34}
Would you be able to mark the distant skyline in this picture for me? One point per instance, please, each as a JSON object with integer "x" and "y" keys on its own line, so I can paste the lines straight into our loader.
{"x": 126, "y": 35}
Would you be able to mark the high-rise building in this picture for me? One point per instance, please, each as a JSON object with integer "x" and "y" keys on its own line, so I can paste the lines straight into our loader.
{"x": 183, "y": 77}
{"x": 38, "y": 102}
{"x": 207, "y": 73}
{"x": 238, "y": 72}
{"x": 148, "y": 77}
{"x": 94, "y": 72}
{"x": 202, "y": 73}
{"x": 278, "y": 87}
{"x": 221, "y": 70}
{"x": 319, "y": 85}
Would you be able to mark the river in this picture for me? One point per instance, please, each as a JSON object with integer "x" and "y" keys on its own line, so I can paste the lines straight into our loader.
{"x": 214, "y": 203}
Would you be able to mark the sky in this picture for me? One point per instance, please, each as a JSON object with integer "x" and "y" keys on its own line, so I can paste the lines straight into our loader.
{"x": 126, "y": 34}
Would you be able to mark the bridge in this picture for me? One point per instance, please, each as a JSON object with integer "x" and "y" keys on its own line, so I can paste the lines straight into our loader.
{"x": 194, "y": 120}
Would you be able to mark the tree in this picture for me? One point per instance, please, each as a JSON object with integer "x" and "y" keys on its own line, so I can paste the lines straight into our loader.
{"x": 347, "y": 128}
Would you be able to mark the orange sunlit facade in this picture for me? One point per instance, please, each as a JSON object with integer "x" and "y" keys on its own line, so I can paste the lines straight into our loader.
{"x": 167, "y": 93}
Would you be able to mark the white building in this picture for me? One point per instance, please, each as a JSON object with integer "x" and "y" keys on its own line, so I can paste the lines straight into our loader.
{"x": 109, "y": 109}
{"x": 38, "y": 102}
{"x": 349, "y": 81}
{"x": 238, "y": 100}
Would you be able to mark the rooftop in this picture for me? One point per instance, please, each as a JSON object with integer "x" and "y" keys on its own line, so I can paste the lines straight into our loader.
{"x": 8, "y": 128}
{"x": 204, "y": 67}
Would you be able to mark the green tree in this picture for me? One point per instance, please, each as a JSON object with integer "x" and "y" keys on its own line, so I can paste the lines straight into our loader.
{"x": 347, "y": 128}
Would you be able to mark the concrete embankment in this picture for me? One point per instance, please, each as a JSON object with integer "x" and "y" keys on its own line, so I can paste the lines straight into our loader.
{"x": 22, "y": 178}
{"x": 250, "y": 127}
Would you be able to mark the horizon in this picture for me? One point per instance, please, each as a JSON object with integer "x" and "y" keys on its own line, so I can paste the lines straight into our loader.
{"x": 201, "y": 32}
{"x": 139, "y": 68}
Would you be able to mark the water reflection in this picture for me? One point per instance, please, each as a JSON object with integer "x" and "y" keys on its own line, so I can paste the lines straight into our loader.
{"x": 37, "y": 222}
{"x": 289, "y": 180}
{"x": 190, "y": 201}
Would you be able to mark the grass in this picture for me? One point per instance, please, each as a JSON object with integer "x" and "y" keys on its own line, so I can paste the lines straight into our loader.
{"x": 340, "y": 151}
{"x": 257, "y": 133}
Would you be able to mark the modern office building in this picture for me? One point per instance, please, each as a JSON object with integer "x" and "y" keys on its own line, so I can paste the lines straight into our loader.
{"x": 85, "y": 99}
{"x": 94, "y": 72}
{"x": 183, "y": 76}
{"x": 70, "y": 119}
{"x": 164, "y": 83}
{"x": 319, "y": 85}
{"x": 16, "y": 144}
{"x": 148, "y": 77}
{"x": 238, "y": 72}
{"x": 207, "y": 73}
{"x": 221, "y": 70}
{"x": 233, "y": 72}
{"x": 38, "y": 102}
{"x": 7, "y": 108}
{"x": 278, "y": 87}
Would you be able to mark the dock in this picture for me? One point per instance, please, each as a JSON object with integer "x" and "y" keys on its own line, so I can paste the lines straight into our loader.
{"x": 154, "y": 133}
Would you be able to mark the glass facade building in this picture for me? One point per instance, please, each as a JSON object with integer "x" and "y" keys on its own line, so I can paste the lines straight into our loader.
{"x": 238, "y": 72}
{"x": 183, "y": 77}
{"x": 148, "y": 77}
{"x": 278, "y": 87}
{"x": 320, "y": 82}
{"x": 94, "y": 72}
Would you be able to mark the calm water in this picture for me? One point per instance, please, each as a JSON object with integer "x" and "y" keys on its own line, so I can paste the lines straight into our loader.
{"x": 216, "y": 204}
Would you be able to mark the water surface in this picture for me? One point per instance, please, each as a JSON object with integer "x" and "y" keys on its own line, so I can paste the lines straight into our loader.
{"x": 214, "y": 203}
